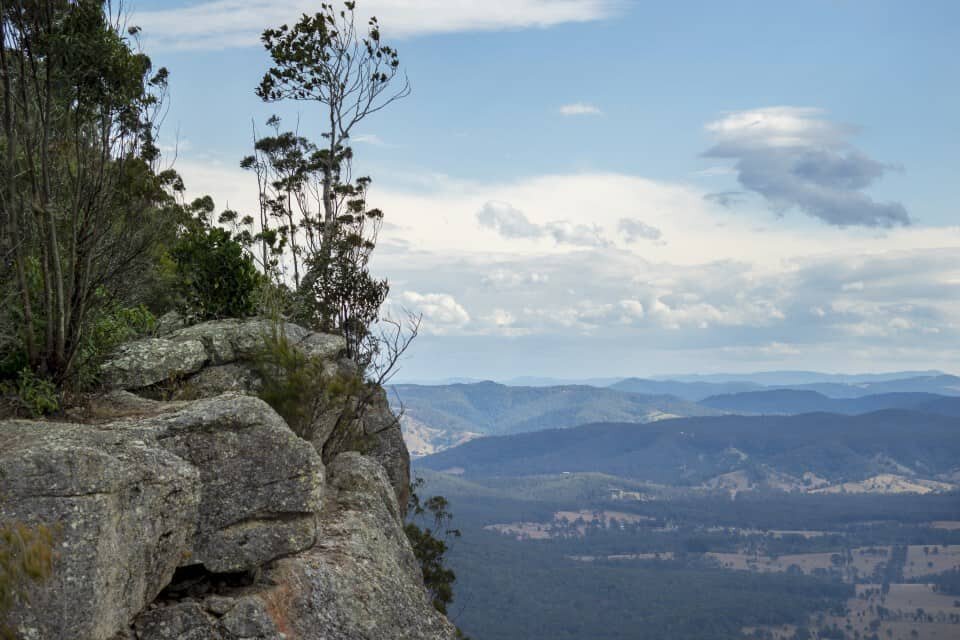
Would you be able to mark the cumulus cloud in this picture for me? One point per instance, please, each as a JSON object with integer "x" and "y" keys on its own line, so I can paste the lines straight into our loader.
{"x": 633, "y": 310}
{"x": 510, "y": 222}
{"x": 506, "y": 279}
{"x": 852, "y": 286}
{"x": 634, "y": 229}
{"x": 441, "y": 311}
{"x": 224, "y": 24}
{"x": 771, "y": 351}
{"x": 502, "y": 318}
{"x": 794, "y": 157}
{"x": 719, "y": 294}
{"x": 580, "y": 109}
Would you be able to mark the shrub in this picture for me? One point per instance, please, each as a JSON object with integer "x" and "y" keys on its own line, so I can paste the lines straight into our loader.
{"x": 304, "y": 392}
{"x": 32, "y": 394}
{"x": 430, "y": 544}
{"x": 217, "y": 277}
{"x": 113, "y": 325}
{"x": 26, "y": 555}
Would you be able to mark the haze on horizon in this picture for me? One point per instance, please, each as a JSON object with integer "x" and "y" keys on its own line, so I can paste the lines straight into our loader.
{"x": 600, "y": 188}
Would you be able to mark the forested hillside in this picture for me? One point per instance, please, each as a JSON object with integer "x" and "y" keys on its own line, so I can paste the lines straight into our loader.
{"x": 491, "y": 408}
{"x": 693, "y": 450}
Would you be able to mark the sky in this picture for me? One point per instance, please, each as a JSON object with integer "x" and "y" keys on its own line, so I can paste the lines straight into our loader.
{"x": 580, "y": 188}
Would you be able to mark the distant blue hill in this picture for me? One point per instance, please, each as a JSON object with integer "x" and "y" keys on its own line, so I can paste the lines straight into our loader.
{"x": 692, "y": 450}
{"x": 697, "y": 390}
{"x": 794, "y": 401}
{"x": 693, "y": 391}
{"x": 795, "y": 378}
{"x": 489, "y": 408}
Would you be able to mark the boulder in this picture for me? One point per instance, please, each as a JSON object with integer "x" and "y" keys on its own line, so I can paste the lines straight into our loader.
{"x": 215, "y": 358}
{"x": 151, "y": 361}
{"x": 210, "y": 518}
{"x": 221, "y": 482}
{"x": 261, "y": 485}
{"x": 246, "y": 619}
{"x": 182, "y": 352}
{"x": 123, "y": 514}
{"x": 232, "y": 340}
{"x": 249, "y": 618}
{"x": 360, "y": 580}
{"x": 180, "y": 621}
{"x": 212, "y": 381}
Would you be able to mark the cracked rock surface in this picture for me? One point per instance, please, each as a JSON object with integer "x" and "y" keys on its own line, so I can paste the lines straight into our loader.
{"x": 210, "y": 518}
{"x": 221, "y": 482}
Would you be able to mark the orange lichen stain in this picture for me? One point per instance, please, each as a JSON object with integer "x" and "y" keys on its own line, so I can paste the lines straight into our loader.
{"x": 279, "y": 601}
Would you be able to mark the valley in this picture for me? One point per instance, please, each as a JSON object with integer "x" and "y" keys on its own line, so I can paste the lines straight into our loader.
{"x": 803, "y": 563}
{"x": 770, "y": 525}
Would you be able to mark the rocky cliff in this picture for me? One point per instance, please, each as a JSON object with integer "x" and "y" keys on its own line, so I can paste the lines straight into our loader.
{"x": 203, "y": 515}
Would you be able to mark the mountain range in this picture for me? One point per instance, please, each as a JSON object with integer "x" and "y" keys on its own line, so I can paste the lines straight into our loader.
{"x": 437, "y": 417}
{"x": 813, "y": 451}
{"x": 794, "y": 401}
{"x": 831, "y": 386}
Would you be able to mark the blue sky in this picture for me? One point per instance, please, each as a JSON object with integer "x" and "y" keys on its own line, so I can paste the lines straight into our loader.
{"x": 591, "y": 188}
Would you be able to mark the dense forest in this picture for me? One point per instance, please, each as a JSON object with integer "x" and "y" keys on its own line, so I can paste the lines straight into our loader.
{"x": 651, "y": 572}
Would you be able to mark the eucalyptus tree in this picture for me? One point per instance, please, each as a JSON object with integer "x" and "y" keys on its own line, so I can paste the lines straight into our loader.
{"x": 324, "y": 60}
{"x": 328, "y": 232}
{"x": 80, "y": 192}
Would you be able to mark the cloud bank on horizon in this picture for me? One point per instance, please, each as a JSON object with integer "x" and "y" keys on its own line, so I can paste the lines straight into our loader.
{"x": 597, "y": 257}
{"x": 226, "y": 24}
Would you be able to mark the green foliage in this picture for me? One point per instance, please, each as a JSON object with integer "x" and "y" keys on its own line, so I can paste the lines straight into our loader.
{"x": 531, "y": 589}
{"x": 305, "y": 54}
{"x": 33, "y": 395}
{"x": 217, "y": 276}
{"x": 314, "y": 219}
{"x": 339, "y": 294}
{"x": 26, "y": 555}
{"x": 82, "y": 203}
{"x": 429, "y": 549}
{"x": 304, "y": 392}
{"x": 112, "y": 325}
{"x": 947, "y": 582}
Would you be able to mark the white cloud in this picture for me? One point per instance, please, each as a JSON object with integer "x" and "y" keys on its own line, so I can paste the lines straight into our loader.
{"x": 508, "y": 221}
{"x": 779, "y": 127}
{"x": 504, "y": 279}
{"x": 795, "y": 158}
{"x": 634, "y": 229}
{"x": 368, "y": 138}
{"x": 852, "y": 286}
{"x": 223, "y": 24}
{"x": 770, "y": 351}
{"x": 719, "y": 286}
{"x": 513, "y": 223}
{"x": 580, "y": 109}
{"x": 502, "y": 318}
{"x": 441, "y": 311}
{"x": 633, "y": 309}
